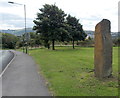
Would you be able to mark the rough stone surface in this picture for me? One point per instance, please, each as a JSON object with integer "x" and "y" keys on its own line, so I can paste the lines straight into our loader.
{"x": 103, "y": 49}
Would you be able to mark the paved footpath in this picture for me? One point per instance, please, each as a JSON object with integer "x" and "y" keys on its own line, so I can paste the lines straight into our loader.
{"x": 22, "y": 78}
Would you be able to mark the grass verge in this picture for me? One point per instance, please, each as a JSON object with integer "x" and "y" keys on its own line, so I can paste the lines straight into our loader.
{"x": 70, "y": 72}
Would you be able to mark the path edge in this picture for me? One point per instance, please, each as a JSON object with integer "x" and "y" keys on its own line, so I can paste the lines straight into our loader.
{"x": 8, "y": 64}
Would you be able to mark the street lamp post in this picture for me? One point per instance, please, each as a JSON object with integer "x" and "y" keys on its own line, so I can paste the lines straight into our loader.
{"x": 25, "y": 25}
{"x": 25, "y": 29}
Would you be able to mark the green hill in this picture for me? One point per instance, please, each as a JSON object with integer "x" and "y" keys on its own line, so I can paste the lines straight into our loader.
{"x": 18, "y": 32}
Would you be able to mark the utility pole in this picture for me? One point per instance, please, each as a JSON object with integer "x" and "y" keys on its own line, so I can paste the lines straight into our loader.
{"x": 25, "y": 35}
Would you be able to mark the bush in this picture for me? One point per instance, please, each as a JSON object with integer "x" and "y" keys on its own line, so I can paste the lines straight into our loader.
{"x": 86, "y": 43}
{"x": 116, "y": 42}
{"x": 9, "y": 41}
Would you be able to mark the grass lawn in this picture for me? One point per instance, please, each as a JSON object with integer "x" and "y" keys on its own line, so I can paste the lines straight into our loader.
{"x": 69, "y": 72}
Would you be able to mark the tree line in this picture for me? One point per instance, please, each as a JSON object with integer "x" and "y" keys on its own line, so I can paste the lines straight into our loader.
{"x": 52, "y": 24}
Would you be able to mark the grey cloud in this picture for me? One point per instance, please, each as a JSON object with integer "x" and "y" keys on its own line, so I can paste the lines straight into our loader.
{"x": 15, "y": 20}
{"x": 8, "y": 17}
{"x": 92, "y": 18}
{"x": 5, "y": 4}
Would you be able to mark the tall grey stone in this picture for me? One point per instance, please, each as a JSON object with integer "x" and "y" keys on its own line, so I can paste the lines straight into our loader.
{"x": 103, "y": 49}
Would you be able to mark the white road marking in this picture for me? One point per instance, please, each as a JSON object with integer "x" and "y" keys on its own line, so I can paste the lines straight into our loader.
{"x": 8, "y": 65}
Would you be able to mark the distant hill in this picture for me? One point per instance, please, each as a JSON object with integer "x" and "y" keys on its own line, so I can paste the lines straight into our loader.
{"x": 19, "y": 32}
{"x": 91, "y": 34}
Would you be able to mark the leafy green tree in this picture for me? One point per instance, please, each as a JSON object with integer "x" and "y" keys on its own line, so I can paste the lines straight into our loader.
{"x": 50, "y": 22}
{"x": 38, "y": 41}
{"x": 45, "y": 39}
{"x": 75, "y": 30}
{"x": 9, "y": 41}
{"x": 35, "y": 39}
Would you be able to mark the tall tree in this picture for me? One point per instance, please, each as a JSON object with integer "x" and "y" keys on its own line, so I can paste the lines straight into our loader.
{"x": 75, "y": 30}
{"x": 49, "y": 23}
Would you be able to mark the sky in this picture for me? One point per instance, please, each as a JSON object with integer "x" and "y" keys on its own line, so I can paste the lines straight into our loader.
{"x": 89, "y": 12}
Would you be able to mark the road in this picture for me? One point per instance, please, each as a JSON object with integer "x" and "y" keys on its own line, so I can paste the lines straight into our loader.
{"x": 5, "y": 57}
{"x": 22, "y": 79}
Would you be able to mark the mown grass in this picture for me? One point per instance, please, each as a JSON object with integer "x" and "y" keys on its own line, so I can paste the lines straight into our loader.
{"x": 70, "y": 72}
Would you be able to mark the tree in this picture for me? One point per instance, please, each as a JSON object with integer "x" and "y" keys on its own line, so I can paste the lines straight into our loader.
{"x": 38, "y": 40}
{"x": 35, "y": 39}
{"x": 9, "y": 41}
{"x": 49, "y": 23}
{"x": 116, "y": 41}
{"x": 75, "y": 30}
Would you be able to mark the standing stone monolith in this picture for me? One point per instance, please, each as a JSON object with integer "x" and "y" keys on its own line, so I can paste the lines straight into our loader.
{"x": 103, "y": 49}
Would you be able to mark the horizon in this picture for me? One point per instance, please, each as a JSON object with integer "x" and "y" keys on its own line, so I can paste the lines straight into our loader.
{"x": 34, "y": 30}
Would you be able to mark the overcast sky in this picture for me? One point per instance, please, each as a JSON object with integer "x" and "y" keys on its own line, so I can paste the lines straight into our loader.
{"x": 89, "y": 12}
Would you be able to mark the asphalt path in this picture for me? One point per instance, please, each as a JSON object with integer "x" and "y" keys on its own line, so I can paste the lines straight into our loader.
{"x": 5, "y": 57}
{"x": 22, "y": 78}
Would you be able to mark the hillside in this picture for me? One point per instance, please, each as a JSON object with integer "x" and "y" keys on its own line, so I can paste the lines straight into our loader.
{"x": 19, "y": 32}
{"x": 91, "y": 34}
